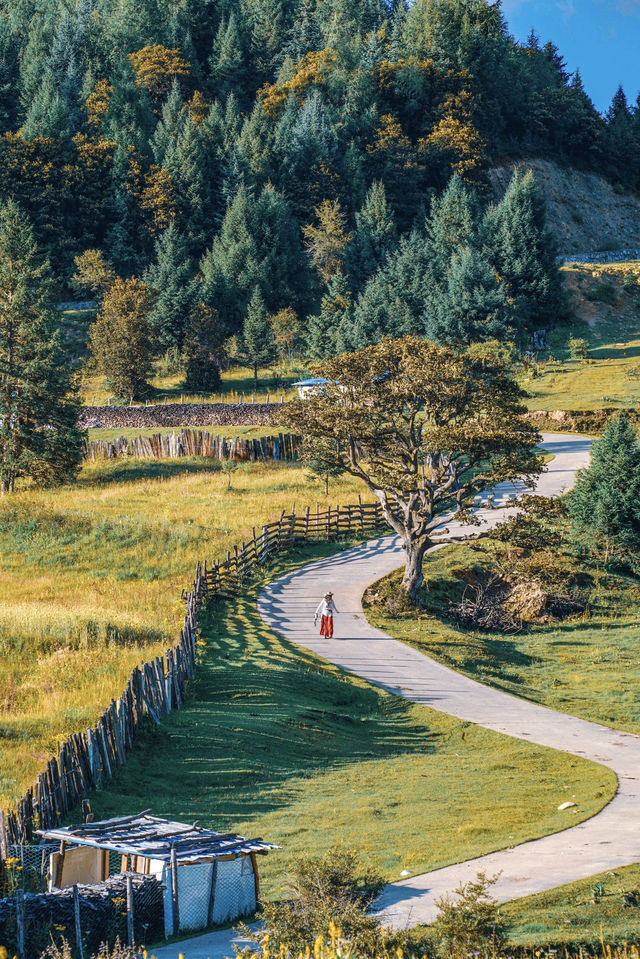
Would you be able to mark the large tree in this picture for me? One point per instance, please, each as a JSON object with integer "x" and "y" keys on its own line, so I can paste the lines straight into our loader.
{"x": 38, "y": 410}
{"x": 425, "y": 428}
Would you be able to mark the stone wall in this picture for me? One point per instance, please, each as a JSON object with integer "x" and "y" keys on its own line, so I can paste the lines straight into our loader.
{"x": 179, "y": 414}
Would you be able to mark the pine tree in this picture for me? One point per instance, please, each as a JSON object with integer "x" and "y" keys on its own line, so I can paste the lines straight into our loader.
{"x": 470, "y": 306}
{"x": 257, "y": 337}
{"x": 604, "y": 505}
{"x": 171, "y": 277}
{"x": 325, "y": 331}
{"x": 373, "y": 238}
{"x": 38, "y": 411}
{"x": 228, "y": 62}
{"x": 121, "y": 338}
{"x": 164, "y": 141}
{"x": 327, "y": 239}
{"x": 48, "y": 115}
{"x": 203, "y": 349}
{"x": 523, "y": 253}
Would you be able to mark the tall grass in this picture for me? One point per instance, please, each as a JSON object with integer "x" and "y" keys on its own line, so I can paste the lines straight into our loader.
{"x": 90, "y": 584}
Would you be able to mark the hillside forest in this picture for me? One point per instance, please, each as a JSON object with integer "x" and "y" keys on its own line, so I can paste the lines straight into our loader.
{"x": 240, "y": 179}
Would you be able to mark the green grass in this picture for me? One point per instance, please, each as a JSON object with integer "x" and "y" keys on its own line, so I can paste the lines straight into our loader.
{"x": 608, "y": 316}
{"x": 277, "y": 743}
{"x": 568, "y": 915}
{"x": 90, "y": 583}
{"x": 587, "y": 666}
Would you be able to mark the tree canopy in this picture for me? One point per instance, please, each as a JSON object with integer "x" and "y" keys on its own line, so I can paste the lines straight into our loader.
{"x": 425, "y": 428}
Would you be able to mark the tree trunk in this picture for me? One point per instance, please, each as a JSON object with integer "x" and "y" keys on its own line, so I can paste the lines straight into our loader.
{"x": 255, "y": 377}
{"x": 413, "y": 577}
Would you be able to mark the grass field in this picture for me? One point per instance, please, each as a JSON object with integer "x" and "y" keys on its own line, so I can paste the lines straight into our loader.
{"x": 579, "y": 913}
{"x": 90, "y": 582}
{"x": 607, "y": 315}
{"x": 279, "y": 744}
{"x": 587, "y": 666}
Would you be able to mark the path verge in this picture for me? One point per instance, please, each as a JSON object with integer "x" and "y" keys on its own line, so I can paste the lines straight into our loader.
{"x": 608, "y": 840}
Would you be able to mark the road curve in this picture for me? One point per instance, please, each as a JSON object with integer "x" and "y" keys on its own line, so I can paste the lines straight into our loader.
{"x": 608, "y": 840}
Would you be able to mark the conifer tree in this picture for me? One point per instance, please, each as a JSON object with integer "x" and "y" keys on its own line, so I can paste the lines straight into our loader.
{"x": 373, "y": 238}
{"x": 228, "y": 61}
{"x": 523, "y": 253}
{"x": 48, "y": 115}
{"x": 604, "y": 505}
{"x": 203, "y": 349}
{"x": 326, "y": 239}
{"x": 470, "y": 306}
{"x": 38, "y": 410}
{"x": 257, "y": 336}
{"x": 171, "y": 277}
{"x": 329, "y": 330}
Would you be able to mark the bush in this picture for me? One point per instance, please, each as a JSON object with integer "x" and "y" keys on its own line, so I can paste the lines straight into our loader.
{"x": 471, "y": 922}
{"x": 331, "y": 891}
{"x": 578, "y": 348}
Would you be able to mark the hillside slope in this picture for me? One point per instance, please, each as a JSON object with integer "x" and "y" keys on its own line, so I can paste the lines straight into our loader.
{"x": 585, "y": 212}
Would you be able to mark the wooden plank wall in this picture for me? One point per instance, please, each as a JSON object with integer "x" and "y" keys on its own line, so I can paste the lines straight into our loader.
{"x": 87, "y": 760}
{"x": 284, "y": 447}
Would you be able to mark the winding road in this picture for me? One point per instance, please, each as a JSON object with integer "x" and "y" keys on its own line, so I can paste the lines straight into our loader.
{"x": 608, "y": 840}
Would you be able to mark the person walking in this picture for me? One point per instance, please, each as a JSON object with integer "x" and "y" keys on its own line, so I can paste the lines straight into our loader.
{"x": 325, "y": 610}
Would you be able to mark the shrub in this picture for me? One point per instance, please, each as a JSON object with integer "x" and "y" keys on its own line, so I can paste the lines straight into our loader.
{"x": 329, "y": 891}
{"x": 470, "y": 922}
{"x": 603, "y": 293}
{"x": 578, "y": 348}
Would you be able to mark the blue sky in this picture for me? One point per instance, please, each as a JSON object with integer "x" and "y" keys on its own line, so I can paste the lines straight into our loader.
{"x": 600, "y": 37}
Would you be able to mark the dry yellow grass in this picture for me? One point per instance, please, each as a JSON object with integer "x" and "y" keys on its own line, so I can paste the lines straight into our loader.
{"x": 90, "y": 582}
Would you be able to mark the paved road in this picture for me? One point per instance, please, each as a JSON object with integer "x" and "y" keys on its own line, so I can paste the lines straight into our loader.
{"x": 608, "y": 840}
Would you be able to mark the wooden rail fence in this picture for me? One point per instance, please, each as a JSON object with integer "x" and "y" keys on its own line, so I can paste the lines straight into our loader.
{"x": 87, "y": 760}
{"x": 283, "y": 447}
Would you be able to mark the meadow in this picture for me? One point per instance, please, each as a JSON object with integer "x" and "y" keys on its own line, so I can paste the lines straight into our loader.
{"x": 602, "y": 908}
{"x": 90, "y": 582}
{"x": 275, "y": 742}
{"x": 604, "y": 302}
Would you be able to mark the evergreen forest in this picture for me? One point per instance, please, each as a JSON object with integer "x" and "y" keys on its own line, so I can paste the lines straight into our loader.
{"x": 251, "y": 175}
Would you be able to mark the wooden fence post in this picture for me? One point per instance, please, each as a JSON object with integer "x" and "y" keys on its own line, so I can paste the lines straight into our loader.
{"x": 20, "y": 923}
{"x": 76, "y": 916}
{"x": 130, "y": 916}
{"x": 174, "y": 891}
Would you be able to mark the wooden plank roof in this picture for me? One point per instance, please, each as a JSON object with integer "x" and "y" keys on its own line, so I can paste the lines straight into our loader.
{"x": 153, "y": 838}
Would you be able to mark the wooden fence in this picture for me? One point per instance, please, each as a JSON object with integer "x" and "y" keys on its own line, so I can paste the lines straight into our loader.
{"x": 284, "y": 447}
{"x": 87, "y": 760}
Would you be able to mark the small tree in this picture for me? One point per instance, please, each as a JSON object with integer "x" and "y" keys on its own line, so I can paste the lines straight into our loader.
{"x": 604, "y": 505}
{"x": 203, "y": 350}
{"x": 94, "y": 274}
{"x": 425, "y": 429}
{"x": 328, "y": 892}
{"x": 578, "y": 348}
{"x": 120, "y": 338}
{"x": 257, "y": 338}
{"x": 319, "y": 457}
{"x": 471, "y": 922}
{"x": 287, "y": 331}
{"x": 38, "y": 409}
{"x": 327, "y": 239}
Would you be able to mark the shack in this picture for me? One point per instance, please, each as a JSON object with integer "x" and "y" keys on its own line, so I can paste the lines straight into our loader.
{"x": 306, "y": 387}
{"x": 207, "y": 877}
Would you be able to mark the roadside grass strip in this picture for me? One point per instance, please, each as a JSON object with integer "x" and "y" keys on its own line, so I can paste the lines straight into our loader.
{"x": 276, "y": 742}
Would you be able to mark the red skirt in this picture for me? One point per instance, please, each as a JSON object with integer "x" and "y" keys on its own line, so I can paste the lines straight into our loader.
{"x": 326, "y": 626}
